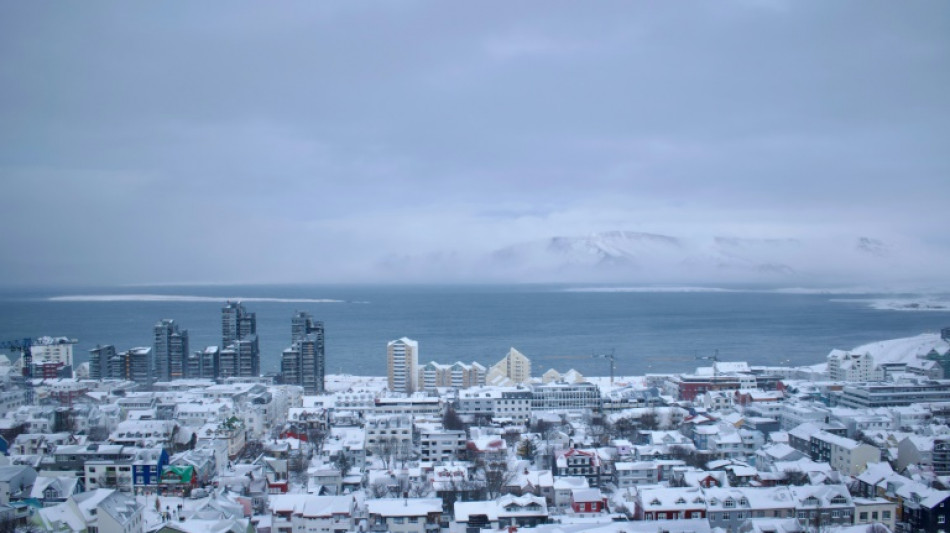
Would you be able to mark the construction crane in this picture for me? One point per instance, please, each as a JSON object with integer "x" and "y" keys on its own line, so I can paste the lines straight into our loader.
{"x": 24, "y": 347}
{"x": 608, "y": 356}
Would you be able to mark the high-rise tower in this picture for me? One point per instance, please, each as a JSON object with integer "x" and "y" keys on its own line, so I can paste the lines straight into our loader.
{"x": 236, "y": 323}
{"x": 99, "y": 358}
{"x": 241, "y": 354}
{"x": 304, "y": 363}
{"x": 402, "y": 357}
{"x": 169, "y": 350}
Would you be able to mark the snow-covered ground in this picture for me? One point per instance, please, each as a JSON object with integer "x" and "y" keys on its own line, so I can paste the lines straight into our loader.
{"x": 904, "y": 350}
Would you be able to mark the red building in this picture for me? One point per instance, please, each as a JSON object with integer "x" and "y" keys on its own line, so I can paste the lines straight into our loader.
{"x": 588, "y": 501}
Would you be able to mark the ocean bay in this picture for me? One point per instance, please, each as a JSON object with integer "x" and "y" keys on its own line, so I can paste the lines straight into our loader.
{"x": 649, "y": 329}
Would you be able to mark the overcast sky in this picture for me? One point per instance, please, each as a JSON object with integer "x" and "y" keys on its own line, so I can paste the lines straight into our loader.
{"x": 326, "y": 141}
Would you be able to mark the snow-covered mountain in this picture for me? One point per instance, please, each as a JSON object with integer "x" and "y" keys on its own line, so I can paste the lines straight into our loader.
{"x": 650, "y": 257}
{"x": 653, "y": 258}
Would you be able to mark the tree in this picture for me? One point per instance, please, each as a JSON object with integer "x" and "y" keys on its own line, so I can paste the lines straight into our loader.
{"x": 496, "y": 476}
{"x": 649, "y": 420}
{"x": 452, "y": 421}
{"x": 687, "y": 455}
{"x": 297, "y": 464}
{"x": 796, "y": 477}
{"x": 527, "y": 449}
{"x": 342, "y": 462}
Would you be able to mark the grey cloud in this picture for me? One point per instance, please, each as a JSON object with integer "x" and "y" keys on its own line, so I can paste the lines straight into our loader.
{"x": 340, "y": 136}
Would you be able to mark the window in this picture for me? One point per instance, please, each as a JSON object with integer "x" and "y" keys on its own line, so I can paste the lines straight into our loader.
{"x": 725, "y": 516}
{"x": 863, "y": 516}
{"x": 886, "y": 515}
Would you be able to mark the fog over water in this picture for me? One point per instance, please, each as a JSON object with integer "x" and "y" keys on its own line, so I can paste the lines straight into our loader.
{"x": 796, "y": 144}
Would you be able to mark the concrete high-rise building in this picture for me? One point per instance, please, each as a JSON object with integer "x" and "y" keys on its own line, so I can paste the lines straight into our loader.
{"x": 402, "y": 357}
{"x": 99, "y": 358}
{"x": 513, "y": 369}
{"x": 304, "y": 363}
{"x": 169, "y": 350}
{"x": 241, "y": 356}
{"x": 134, "y": 365}
{"x": 203, "y": 364}
{"x": 302, "y": 324}
{"x": 236, "y": 323}
{"x": 50, "y": 357}
{"x": 248, "y": 357}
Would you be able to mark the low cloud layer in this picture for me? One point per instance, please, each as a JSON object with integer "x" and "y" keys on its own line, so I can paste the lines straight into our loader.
{"x": 414, "y": 141}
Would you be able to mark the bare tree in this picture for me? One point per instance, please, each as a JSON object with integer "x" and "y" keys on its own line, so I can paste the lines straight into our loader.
{"x": 649, "y": 420}
{"x": 496, "y": 476}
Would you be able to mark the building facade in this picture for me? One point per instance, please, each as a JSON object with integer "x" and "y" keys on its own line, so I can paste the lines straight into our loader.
{"x": 402, "y": 356}
{"x": 169, "y": 350}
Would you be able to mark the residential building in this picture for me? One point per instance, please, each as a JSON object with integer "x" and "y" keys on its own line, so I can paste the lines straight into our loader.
{"x": 437, "y": 445}
{"x": 169, "y": 350}
{"x": 496, "y": 402}
{"x": 823, "y": 505}
{"x": 661, "y": 503}
{"x": 575, "y": 462}
{"x": 203, "y": 364}
{"x": 729, "y": 508}
{"x": 134, "y": 365}
{"x": 304, "y": 362}
{"x": 870, "y": 395}
{"x": 309, "y": 512}
{"x": 562, "y": 395}
{"x": 845, "y": 455}
{"x": 99, "y": 358}
{"x": 54, "y": 354}
{"x": 404, "y": 515}
{"x": 458, "y": 375}
{"x": 303, "y": 324}
{"x": 513, "y": 369}
{"x": 512, "y": 512}
{"x": 236, "y": 323}
{"x": 402, "y": 357}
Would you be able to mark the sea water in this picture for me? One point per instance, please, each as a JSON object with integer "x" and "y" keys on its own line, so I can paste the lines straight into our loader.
{"x": 555, "y": 325}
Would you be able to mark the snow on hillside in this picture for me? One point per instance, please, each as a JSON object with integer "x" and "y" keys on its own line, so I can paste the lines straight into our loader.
{"x": 657, "y": 257}
{"x": 904, "y": 350}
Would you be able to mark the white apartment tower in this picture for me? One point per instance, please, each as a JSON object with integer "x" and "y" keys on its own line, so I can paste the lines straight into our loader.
{"x": 402, "y": 357}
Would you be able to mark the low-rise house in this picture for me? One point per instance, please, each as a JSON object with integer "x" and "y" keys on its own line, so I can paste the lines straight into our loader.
{"x": 506, "y": 512}
{"x": 915, "y": 450}
{"x": 846, "y": 455}
{"x": 102, "y": 511}
{"x": 823, "y": 505}
{"x": 310, "y": 513}
{"x": 16, "y": 482}
{"x": 661, "y": 503}
{"x": 575, "y": 462}
{"x": 875, "y": 511}
{"x": 564, "y": 486}
{"x": 178, "y": 480}
{"x": 588, "y": 501}
{"x": 53, "y": 490}
{"x": 404, "y": 515}
{"x": 633, "y": 473}
{"x": 729, "y": 508}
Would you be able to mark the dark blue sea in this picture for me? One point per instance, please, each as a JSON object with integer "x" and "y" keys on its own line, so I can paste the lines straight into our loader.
{"x": 553, "y": 325}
